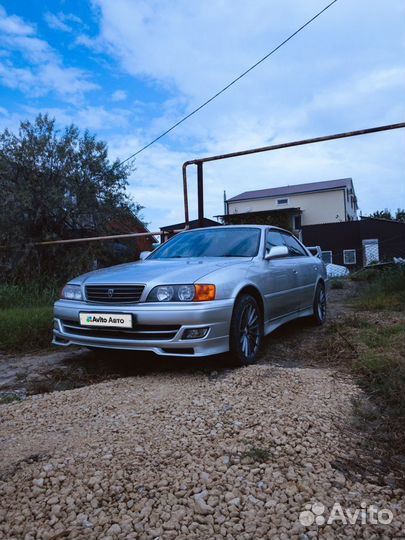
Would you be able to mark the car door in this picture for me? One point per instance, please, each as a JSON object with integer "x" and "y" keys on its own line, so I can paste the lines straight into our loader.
{"x": 306, "y": 270}
{"x": 280, "y": 280}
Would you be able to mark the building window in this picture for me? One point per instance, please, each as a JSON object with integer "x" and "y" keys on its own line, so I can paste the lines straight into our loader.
{"x": 327, "y": 257}
{"x": 282, "y": 201}
{"x": 297, "y": 222}
{"x": 349, "y": 256}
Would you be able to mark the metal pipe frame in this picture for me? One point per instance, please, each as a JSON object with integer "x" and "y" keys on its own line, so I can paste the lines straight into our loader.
{"x": 199, "y": 162}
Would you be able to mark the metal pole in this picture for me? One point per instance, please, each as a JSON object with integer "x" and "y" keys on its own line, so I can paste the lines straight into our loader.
{"x": 200, "y": 190}
{"x": 304, "y": 141}
{"x": 94, "y": 238}
{"x": 185, "y": 194}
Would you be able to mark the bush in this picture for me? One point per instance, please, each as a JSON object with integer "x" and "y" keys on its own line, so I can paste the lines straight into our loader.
{"x": 386, "y": 292}
{"x": 337, "y": 283}
{"x": 31, "y": 295}
{"x": 26, "y": 317}
{"x": 367, "y": 274}
{"x": 25, "y": 329}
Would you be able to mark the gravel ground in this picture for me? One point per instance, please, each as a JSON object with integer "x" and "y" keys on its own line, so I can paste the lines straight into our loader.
{"x": 236, "y": 455}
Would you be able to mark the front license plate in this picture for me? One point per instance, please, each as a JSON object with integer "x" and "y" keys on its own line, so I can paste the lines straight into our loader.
{"x": 111, "y": 320}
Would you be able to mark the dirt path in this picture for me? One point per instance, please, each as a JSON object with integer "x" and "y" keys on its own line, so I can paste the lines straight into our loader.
{"x": 171, "y": 450}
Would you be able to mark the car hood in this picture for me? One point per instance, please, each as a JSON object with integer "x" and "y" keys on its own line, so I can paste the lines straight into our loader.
{"x": 167, "y": 271}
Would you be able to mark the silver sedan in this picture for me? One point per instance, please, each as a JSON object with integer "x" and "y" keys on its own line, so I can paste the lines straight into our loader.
{"x": 204, "y": 292}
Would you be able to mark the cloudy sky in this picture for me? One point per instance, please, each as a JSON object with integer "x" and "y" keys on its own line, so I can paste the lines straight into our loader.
{"x": 128, "y": 69}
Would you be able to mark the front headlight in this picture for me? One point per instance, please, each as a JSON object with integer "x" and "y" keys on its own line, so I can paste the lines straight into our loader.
{"x": 72, "y": 292}
{"x": 182, "y": 293}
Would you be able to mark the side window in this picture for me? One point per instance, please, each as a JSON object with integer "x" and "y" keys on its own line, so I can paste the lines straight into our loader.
{"x": 274, "y": 238}
{"x": 294, "y": 247}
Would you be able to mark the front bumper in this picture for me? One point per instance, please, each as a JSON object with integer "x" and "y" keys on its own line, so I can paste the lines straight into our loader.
{"x": 215, "y": 315}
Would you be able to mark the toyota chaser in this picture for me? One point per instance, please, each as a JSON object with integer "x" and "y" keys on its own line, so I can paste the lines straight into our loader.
{"x": 205, "y": 291}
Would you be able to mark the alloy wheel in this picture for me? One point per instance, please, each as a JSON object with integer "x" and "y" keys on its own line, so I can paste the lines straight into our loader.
{"x": 249, "y": 331}
{"x": 322, "y": 304}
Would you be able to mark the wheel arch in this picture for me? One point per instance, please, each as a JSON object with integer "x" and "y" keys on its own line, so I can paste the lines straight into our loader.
{"x": 253, "y": 291}
{"x": 319, "y": 281}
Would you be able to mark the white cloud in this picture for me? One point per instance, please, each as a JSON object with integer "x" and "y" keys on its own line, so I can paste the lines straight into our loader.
{"x": 33, "y": 49}
{"x": 330, "y": 78}
{"x": 68, "y": 83}
{"x": 333, "y": 77}
{"x": 14, "y": 25}
{"x": 58, "y": 21}
{"x": 95, "y": 119}
{"x": 43, "y": 71}
{"x": 119, "y": 95}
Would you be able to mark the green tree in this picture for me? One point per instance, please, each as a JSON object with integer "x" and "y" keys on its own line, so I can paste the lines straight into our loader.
{"x": 56, "y": 184}
{"x": 400, "y": 215}
{"x": 387, "y": 214}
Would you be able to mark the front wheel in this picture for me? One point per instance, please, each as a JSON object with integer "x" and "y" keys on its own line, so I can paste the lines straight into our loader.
{"x": 246, "y": 332}
{"x": 319, "y": 315}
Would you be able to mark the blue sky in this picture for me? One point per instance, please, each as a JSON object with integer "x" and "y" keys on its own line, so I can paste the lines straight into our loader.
{"x": 127, "y": 69}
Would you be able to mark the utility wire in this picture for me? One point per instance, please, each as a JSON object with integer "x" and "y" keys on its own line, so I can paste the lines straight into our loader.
{"x": 229, "y": 85}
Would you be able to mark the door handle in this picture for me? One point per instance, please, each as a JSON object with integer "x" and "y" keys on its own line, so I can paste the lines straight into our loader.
{"x": 295, "y": 271}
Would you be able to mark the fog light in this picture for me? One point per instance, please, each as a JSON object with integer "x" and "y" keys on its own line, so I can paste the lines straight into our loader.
{"x": 55, "y": 324}
{"x": 194, "y": 333}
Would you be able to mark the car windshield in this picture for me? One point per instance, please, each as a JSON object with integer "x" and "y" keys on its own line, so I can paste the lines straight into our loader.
{"x": 219, "y": 242}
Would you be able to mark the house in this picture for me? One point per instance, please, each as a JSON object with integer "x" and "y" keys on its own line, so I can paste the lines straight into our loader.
{"x": 357, "y": 243}
{"x": 295, "y": 206}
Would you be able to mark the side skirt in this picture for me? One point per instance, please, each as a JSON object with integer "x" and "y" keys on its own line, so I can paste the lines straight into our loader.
{"x": 270, "y": 326}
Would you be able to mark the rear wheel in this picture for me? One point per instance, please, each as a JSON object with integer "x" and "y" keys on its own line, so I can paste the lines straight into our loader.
{"x": 246, "y": 333}
{"x": 319, "y": 316}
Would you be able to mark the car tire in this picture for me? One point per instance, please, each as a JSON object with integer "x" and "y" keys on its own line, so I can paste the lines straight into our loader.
{"x": 319, "y": 315}
{"x": 246, "y": 331}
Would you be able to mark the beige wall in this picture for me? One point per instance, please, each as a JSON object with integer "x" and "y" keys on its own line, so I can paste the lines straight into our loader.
{"x": 320, "y": 207}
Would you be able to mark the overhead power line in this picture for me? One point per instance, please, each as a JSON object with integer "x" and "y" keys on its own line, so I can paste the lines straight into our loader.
{"x": 230, "y": 84}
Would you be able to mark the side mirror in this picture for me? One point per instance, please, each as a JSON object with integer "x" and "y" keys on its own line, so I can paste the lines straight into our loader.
{"x": 276, "y": 251}
{"x": 144, "y": 254}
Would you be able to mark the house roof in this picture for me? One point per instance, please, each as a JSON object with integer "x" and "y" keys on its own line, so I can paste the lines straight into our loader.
{"x": 292, "y": 190}
{"x": 193, "y": 224}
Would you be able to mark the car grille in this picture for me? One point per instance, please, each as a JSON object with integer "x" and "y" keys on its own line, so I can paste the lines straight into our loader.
{"x": 114, "y": 294}
{"x": 139, "y": 332}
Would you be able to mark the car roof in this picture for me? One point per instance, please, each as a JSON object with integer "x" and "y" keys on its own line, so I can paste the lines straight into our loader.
{"x": 236, "y": 227}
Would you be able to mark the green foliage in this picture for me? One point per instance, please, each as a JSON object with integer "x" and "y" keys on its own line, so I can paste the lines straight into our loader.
{"x": 56, "y": 185}
{"x": 257, "y": 454}
{"x": 25, "y": 329}
{"x": 9, "y": 397}
{"x": 385, "y": 292}
{"x": 366, "y": 274}
{"x": 381, "y": 363}
{"x": 387, "y": 214}
{"x": 337, "y": 283}
{"x": 28, "y": 295}
{"x": 373, "y": 344}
